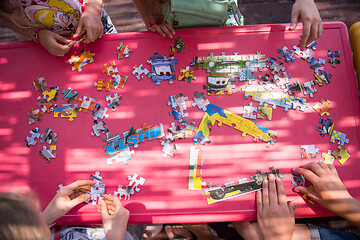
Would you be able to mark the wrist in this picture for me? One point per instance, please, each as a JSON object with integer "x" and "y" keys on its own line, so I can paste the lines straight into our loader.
{"x": 36, "y": 35}
{"x": 94, "y": 8}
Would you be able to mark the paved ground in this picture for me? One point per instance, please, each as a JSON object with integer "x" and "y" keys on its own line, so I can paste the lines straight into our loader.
{"x": 126, "y": 19}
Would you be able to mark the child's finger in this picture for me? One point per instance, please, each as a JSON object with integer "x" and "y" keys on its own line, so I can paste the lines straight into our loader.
{"x": 281, "y": 191}
{"x": 305, "y": 190}
{"x": 103, "y": 208}
{"x": 292, "y": 206}
{"x": 78, "y": 29}
{"x": 294, "y": 20}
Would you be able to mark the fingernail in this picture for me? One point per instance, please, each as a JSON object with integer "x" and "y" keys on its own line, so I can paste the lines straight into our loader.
{"x": 271, "y": 176}
{"x": 295, "y": 190}
{"x": 164, "y": 35}
{"x": 265, "y": 181}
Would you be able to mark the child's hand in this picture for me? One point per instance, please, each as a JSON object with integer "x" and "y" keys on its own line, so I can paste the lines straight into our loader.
{"x": 66, "y": 198}
{"x": 330, "y": 191}
{"x": 90, "y": 21}
{"x": 275, "y": 217}
{"x": 306, "y": 12}
{"x": 114, "y": 216}
{"x": 54, "y": 43}
{"x": 164, "y": 29}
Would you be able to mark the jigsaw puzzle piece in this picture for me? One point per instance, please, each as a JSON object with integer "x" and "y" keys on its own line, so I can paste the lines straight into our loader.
{"x": 139, "y": 71}
{"x": 342, "y": 153}
{"x": 328, "y": 158}
{"x": 98, "y": 127}
{"x": 135, "y": 183}
{"x": 113, "y": 101}
{"x": 124, "y": 51}
{"x": 122, "y": 193}
{"x": 339, "y": 136}
{"x": 80, "y": 61}
{"x": 309, "y": 150}
{"x": 48, "y": 154}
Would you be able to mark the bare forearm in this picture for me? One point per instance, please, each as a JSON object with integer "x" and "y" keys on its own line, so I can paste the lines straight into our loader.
{"x": 27, "y": 32}
{"x": 350, "y": 210}
{"x": 94, "y": 5}
{"x": 143, "y": 11}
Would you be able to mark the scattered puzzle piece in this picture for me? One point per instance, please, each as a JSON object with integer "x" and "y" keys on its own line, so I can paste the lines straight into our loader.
{"x": 323, "y": 106}
{"x": 113, "y": 101}
{"x": 122, "y": 192}
{"x": 98, "y": 112}
{"x": 48, "y": 154}
{"x": 178, "y": 46}
{"x": 287, "y": 54}
{"x": 328, "y": 158}
{"x": 342, "y": 153}
{"x": 110, "y": 68}
{"x": 66, "y": 111}
{"x": 119, "y": 81}
{"x": 274, "y": 66}
{"x": 123, "y": 156}
{"x": 326, "y": 126}
{"x": 49, "y": 136}
{"x": 341, "y": 137}
{"x": 248, "y": 111}
{"x": 134, "y": 183}
{"x": 52, "y": 94}
{"x": 69, "y": 95}
{"x": 98, "y": 127}
{"x": 139, "y": 71}
{"x": 199, "y": 101}
{"x": 168, "y": 149}
{"x": 304, "y": 196}
{"x": 80, "y": 61}
{"x": 309, "y": 150}
{"x": 106, "y": 85}
{"x": 86, "y": 103}
{"x": 124, "y": 51}
{"x": 40, "y": 85}
{"x": 186, "y": 74}
{"x": 297, "y": 179}
{"x": 31, "y": 140}
{"x": 333, "y": 57}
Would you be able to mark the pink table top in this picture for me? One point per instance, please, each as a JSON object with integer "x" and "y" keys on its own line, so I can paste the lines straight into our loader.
{"x": 165, "y": 198}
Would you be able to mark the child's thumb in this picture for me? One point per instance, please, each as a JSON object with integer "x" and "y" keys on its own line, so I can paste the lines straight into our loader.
{"x": 80, "y": 199}
{"x": 292, "y": 206}
{"x": 103, "y": 208}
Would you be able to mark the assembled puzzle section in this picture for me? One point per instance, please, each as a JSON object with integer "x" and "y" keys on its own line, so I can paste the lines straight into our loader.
{"x": 162, "y": 68}
{"x": 247, "y": 127}
{"x": 195, "y": 168}
{"x": 230, "y": 190}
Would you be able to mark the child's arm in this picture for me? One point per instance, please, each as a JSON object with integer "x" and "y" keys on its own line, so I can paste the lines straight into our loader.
{"x": 164, "y": 29}
{"x": 90, "y": 21}
{"x": 66, "y": 198}
{"x": 52, "y": 42}
{"x": 330, "y": 191}
{"x": 114, "y": 217}
{"x": 276, "y": 219}
{"x": 306, "y": 12}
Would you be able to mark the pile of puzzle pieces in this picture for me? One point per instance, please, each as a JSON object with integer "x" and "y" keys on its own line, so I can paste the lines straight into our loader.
{"x": 115, "y": 82}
